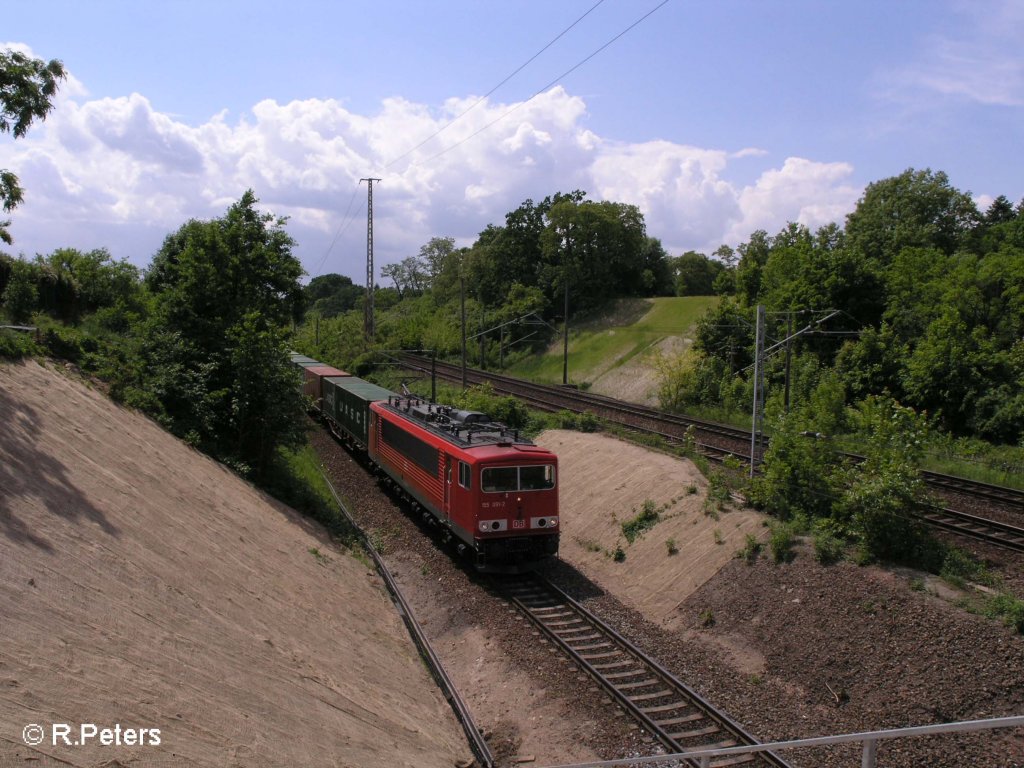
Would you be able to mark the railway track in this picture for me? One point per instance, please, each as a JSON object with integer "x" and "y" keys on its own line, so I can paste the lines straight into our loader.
{"x": 729, "y": 441}
{"x": 674, "y": 714}
{"x": 964, "y": 524}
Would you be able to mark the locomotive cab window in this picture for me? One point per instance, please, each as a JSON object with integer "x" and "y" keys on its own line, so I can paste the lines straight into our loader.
{"x": 465, "y": 475}
{"x": 511, "y": 479}
{"x": 540, "y": 478}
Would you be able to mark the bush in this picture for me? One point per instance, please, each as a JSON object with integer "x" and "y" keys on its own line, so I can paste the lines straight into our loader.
{"x": 581, "y": 422}
{"x": 751, "y": 549}
{"x": 828, "y": 549}
{"x": 644, "y": 521}
{"x": 958, "y": 567}
{"x": 69, "y": 344}
{"x": 1009, "y": 609}
{"x": 780, "y": 543}
{"x": 16, "y": 345}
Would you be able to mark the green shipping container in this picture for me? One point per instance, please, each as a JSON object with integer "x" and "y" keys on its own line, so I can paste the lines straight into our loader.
{"x": 347, "y": 401}
{"x": 303, "y": 361}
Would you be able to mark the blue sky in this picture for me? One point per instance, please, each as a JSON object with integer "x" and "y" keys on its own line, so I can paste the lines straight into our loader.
{"x": 715, "y": 118}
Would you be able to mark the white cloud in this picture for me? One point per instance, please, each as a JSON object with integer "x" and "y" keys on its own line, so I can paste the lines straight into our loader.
{"x": 981, "y": 63}
{"x": 809, "y": 193}
{"x": 116, "y": 172}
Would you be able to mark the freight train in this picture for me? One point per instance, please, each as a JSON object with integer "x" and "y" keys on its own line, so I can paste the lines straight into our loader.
{"x": 492, "y": 491}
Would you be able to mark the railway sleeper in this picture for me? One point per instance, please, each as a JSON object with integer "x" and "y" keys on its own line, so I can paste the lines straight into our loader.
{"x": 552, "y": 607}
{"x": 674, "y": 706}
{"x": 728, "y": 760}
{"x": 678, "y": 720}
{"x": 695, "y": 733}
{"x": 638, "y": 684}
{"x": 589, "y": 656}
{"x": 592, "y": 647}
{"x": 586, "y": 643}
{"x": 624, "y": 675}
{"x": 576, "y": 636}
{"x": 664, "y": 693}
{"x": 614, "y": 664}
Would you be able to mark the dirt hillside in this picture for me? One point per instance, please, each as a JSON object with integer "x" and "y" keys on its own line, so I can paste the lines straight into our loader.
{"x": 144, "y": 586}
{"x": 604, "y": 483}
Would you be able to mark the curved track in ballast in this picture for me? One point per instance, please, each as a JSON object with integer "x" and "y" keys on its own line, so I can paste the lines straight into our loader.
{"x": 673, "y": 713}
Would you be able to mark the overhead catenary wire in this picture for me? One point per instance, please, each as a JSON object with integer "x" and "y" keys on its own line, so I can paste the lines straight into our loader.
{"x": 344, "y": 225}
{"x": 551, "y": 84}
{"x": 483, "y": 98}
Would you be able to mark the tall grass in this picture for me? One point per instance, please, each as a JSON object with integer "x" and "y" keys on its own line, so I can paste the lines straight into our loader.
{"x": 603, "y": 343}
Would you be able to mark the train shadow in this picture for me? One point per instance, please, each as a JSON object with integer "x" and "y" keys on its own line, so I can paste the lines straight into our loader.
{"x": 563, "y": 574}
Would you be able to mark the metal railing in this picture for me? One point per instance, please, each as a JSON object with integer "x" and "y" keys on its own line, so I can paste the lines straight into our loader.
{"x": 869, "y": 739}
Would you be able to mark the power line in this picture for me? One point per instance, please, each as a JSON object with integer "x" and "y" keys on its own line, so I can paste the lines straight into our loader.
{"x": 542, "y": 90}
{"x": 483, "y": 98}
{"x": 345, "y": 224}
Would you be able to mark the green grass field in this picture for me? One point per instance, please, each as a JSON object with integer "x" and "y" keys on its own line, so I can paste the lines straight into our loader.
{"x": 598, "y": 345}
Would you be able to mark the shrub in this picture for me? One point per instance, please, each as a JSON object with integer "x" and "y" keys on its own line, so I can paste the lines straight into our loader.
{"x": 828, "y": 549}
{"x": 16, "y": 345}
{"x": 1009, "y": 609}
{"x": 639, "y": 523}
{"x": 958, "y": 567}
{"x": 780, "y": 543}
{"x": 751, "y": 549}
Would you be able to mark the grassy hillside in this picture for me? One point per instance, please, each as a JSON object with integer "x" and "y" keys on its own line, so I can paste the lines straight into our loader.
{"x": 625, "y": 336}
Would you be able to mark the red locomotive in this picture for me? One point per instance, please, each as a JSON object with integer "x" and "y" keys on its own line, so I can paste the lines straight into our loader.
{"x": 491, "y": 490}
{"x": 494, "y": 491}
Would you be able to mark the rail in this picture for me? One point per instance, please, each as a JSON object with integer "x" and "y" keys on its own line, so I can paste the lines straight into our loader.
{"x": 444, "y": 682}
{"x": 869, "y": 739}
{"x": 666, "y": 707}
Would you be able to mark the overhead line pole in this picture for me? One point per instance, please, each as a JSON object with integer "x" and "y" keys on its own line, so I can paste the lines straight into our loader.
{"x": 758, "y": 415}
{"x": 368, "y": 327}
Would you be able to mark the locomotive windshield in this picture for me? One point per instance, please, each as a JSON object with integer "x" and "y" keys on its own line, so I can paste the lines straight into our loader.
{"x": 511, "y": 479}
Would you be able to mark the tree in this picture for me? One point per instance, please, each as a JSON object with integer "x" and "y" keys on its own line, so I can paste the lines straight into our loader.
{"x": 916, "y": 208}
{"x": 753, "y": 256}
{"x": 20, "y": 296}
{"x": 223, "y": 290}
{"x": 657, "y": 274}
{"x": 725, "y": 282}
{"x": 97, "y": 279}
{"x": 435, "y": 255}
{"x": 409, "y": 275}
{"x": 598, "y": 247}
{"x": 27, "y": 88}
{"x": 332, "y": 294}
{"x": 696, "y": 274}
{"x": 881, "y": 494}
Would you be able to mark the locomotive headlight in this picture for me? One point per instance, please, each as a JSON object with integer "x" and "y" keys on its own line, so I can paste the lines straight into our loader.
{"x": 544, "y": 522}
